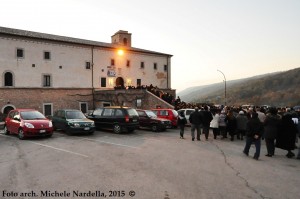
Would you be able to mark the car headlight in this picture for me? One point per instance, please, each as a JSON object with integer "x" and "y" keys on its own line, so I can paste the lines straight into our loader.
{"x": 74, "y": 124}
{"x": 29, "y": 125}
{"x": 50, "y": 124}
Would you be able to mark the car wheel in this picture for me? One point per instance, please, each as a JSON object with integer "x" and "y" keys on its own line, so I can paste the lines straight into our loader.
{"x": 21, "y": 134}
{"x": 154, "y": 128}
{"x": 6, "y": 132}
{"x": 117, "y": 128}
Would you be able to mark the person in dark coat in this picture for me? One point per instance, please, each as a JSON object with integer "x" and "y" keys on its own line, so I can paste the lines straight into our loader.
{"x": 195, "y": 120}
{"x": 231, "y": 124}
{"x": 253, "y": 135}
{"x": 271, "y": 127}
{"x": 181, "y": 121}
{"x": 206, "y": 118}
{"x": 241, "y": 125}
{"x": 287, "y": 135}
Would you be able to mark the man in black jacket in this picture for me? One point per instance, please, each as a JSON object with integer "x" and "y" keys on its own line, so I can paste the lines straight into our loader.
{"x": 254, "y": 132}
{"x": 195, "y": 120}
{"x": 206, "y": 119}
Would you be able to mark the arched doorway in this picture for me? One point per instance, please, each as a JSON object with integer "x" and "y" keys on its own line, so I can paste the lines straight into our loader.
{"x": 120, "y": 82}
{"x": 8, "y": 108}
{"x": 5, "y": 110}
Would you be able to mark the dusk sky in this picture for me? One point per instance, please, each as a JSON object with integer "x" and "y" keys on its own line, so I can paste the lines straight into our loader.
{"x": 241, "y": 38}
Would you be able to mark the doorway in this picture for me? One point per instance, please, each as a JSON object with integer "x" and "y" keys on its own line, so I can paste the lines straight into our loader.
{"x": 120, "y": 82}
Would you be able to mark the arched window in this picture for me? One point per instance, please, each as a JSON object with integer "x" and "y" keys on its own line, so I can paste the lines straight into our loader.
{"x": 8, "y": 79}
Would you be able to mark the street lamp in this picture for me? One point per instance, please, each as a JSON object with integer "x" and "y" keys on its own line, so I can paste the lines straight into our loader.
{"x": 225, "y": 85}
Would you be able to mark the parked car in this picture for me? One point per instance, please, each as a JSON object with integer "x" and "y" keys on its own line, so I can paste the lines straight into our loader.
{"x": 187, "y": 112}
{"x": 169, "y": 114}
{"x": 72, "y": 121}
{"x": 296, "y": 108}
{"x": 148, "y": 119}
{"x": 117, "y": 118}
{"x": 27, "y": 123}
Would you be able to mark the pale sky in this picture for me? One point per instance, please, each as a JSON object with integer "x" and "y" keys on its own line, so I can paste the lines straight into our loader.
{"x": 242, "y": 38}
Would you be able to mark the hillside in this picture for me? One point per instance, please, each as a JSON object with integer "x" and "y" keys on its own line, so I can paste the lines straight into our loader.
{"x": 278, "y": 89}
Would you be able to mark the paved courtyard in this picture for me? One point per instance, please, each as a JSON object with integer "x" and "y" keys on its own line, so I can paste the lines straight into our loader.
{"x": 141, "y": 165}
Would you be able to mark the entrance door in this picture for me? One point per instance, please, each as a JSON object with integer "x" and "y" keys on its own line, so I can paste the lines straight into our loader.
{"x": 120, "y": 82}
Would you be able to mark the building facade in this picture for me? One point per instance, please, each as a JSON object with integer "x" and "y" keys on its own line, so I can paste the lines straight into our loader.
{"x": 49, "y": 72}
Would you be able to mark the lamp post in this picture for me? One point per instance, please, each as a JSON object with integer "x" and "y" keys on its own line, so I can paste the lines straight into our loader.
{"x": 225, "y": 85}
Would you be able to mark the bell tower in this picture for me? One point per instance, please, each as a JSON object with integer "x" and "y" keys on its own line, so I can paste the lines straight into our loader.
{"x": 121, "y": 37}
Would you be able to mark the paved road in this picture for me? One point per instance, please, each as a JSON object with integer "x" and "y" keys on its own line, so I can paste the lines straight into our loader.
{"x": 153, "y": 165}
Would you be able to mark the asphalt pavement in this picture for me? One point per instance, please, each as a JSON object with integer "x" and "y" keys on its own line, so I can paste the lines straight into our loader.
{"x": 142, "y": 165}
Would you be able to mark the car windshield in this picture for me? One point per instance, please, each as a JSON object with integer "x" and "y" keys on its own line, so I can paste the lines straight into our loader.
{"x": 151, "y": 114}
{"x": 132, "y": 112}
{"x": 32, "y": 115}
{"x": 74, "y": 115}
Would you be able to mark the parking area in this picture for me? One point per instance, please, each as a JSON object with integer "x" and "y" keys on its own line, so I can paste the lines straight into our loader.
{"x": 141, "y": 165}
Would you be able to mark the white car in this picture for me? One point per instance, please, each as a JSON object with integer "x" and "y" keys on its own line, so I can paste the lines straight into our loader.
{"x": 187, "y": 112}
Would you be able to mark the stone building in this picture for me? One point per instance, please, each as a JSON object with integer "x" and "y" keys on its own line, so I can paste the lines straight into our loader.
{"x": 48, "y": 72}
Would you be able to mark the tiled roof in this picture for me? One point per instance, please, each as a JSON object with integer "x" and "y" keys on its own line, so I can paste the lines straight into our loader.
{"x": 37, "y": 35}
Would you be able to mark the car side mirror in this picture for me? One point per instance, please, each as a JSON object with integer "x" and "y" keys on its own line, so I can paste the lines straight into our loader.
{"x": 17, "y": 118}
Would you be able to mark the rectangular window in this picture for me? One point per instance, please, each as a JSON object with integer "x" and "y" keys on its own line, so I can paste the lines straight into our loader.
{"x": 138, "y": 82}
{"x": 47, "y": 109}
{"x": 83, "y": 107}
{"x": 20, "y": 53}
{"x": 112, "y": 62}
{"x": 128, "y": 63}
{"x": 142, "y": 64}
{"x": 87, "y": 65}
{"x": 103, "y": 82}
{"x": 155, "y": 66}
{"x": 46, "y": 80}
{"x": 165, "y": 67}
{"x": 47, "y": 55}
{"x": 108, "y": 112}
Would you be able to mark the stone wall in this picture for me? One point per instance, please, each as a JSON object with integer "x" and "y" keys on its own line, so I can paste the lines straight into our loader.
{"x": 35, "y": 98}
{"x": 129, "y": 98}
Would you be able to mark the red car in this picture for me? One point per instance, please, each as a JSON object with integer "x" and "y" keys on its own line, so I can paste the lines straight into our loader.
{"x": 27, "y": 123}
{"x": 169, "y": 114}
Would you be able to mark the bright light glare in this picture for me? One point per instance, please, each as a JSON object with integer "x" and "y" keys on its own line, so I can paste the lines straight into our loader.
{"x": 120, "y": 52}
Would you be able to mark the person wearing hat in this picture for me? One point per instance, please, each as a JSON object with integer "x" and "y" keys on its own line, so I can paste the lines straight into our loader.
{"x": 241, "y": 125}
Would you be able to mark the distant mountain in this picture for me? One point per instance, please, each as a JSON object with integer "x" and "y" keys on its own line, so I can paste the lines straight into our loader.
{"x": 277, "y": 89}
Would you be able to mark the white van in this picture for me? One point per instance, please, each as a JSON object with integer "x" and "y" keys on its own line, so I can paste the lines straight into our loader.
{"x": 187, "y": 112}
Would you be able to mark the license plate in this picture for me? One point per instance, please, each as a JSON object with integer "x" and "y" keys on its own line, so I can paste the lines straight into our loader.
{"x": 86, "y": 128}
{"x": 134, "y": 120}
{"x": 42, "y": 131}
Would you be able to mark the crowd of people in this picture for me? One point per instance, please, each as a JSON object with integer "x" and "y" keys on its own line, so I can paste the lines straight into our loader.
{"x": 167, "y": 97}
{"x": 278, "y": 127}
